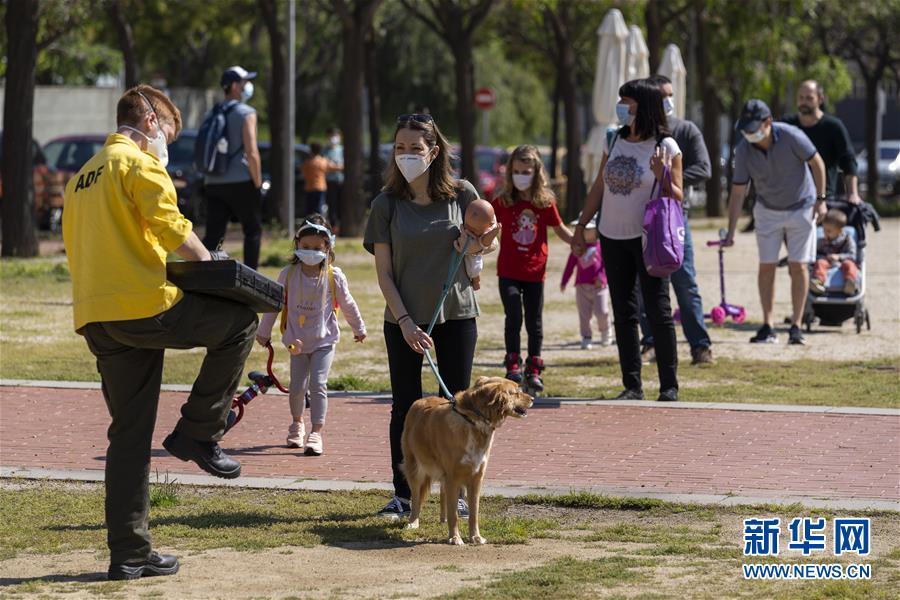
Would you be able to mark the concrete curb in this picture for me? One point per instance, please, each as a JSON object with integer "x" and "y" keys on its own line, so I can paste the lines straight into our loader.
{"x": 544, "y": 401}
{"x": 288, "y": 483}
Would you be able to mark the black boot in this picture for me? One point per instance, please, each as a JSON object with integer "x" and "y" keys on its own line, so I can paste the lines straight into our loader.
{"x": 534, "y": 365}
{"x": 155, "y": 564}
{"x": 513, "y": 364}
{"x": 207, "y": 455}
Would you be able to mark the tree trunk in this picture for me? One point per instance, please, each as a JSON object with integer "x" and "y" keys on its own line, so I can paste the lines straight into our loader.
{"x": 371, "y": 77}
{"x": 554, "y": 129}
{"x": 654, "y": 33}
{"x": 465, "y": 113}
{"x": 872, "y": 117}
{"x": 19, "y": 238}
{"x": 712, "y": 111}
{"x": 126, "y": 43}
{"x": 351, "y": 108}
{"x": 282, "y": 159}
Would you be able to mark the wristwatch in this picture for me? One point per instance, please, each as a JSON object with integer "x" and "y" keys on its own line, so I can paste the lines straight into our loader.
{"x": 821, "y": 197}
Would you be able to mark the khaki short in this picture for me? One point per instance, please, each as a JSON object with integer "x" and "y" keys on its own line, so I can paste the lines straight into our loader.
{"x": 795, "y": 228}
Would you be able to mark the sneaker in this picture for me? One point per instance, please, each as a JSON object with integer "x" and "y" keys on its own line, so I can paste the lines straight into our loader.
{"x": 296, "y": 433}
{"x": 156, "y": 564}
{"x": 586, "y": 343}
{"x": 630, "y": 395}
{"x": 314, "y": 445}
{"x": 669, "y": 395}
{"x": 606, "y": 340}
{"x": 648, "y": 354}
{"x": 534, "y": 365}
{"x": 850, "y": 287}
{"x": 462, "y": 508}
{"x": 765, "y": 335}
{"x": 795, "y": 337}
{"x": 397, "y": 508}
{"x": 702, "y": 356}
{"x": 817, "y": 287}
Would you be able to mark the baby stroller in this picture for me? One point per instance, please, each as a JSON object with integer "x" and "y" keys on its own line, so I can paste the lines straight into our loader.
{"x": 833, "y": 307}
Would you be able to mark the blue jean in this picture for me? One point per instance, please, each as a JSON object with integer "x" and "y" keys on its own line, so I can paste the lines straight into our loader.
{"x": 684, "y": 282}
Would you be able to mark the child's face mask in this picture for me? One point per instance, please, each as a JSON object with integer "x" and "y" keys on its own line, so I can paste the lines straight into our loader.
{"x": 310, "y": 257}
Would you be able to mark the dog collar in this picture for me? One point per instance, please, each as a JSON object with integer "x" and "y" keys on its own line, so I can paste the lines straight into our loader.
{"x": 468, "y": 418}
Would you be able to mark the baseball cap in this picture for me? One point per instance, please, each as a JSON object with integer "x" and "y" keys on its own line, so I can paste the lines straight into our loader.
{"x": 755, "y": 111}
{"x": 235, "y": 73}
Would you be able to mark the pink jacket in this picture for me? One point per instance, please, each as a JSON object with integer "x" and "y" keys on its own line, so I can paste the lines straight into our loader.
{"x": 311, "y": 316}
{"x": 590, "y": 267}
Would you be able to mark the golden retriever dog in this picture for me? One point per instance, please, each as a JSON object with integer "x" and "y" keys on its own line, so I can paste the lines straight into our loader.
{"x": 450, "y": 442}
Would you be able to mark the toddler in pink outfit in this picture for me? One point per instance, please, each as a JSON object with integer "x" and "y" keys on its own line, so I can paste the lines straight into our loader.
{"x": 315, "y": 291}
{"x": 591, "y": 291}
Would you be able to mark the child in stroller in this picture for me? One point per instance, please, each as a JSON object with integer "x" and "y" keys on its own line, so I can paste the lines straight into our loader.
{"x": 838, "y": 283}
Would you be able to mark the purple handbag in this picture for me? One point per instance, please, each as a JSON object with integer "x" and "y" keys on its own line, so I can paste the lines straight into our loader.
{"x": 663, "y": 234}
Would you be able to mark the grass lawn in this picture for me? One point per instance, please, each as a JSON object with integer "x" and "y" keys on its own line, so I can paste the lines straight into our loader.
{"x": 37, "y": 342}
{"x": 576, "y": 546}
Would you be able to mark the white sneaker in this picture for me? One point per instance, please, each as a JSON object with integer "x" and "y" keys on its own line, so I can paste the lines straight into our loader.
{"x": 606, "y": 340}
{"x": 296, "y": 433}
{"x": 314, "y": 445}
{"x": 586, "y": 344}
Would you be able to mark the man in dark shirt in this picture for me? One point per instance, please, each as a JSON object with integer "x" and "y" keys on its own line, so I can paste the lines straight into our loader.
{"x": 829, "y": 136}
{"x": 695, "y": 159}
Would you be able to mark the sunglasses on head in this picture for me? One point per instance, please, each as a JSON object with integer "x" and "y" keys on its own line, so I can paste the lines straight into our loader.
{"x": 417, "y": 117}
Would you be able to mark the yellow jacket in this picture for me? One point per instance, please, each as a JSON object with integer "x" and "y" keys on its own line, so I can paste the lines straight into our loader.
{"x": 120, "y": 220}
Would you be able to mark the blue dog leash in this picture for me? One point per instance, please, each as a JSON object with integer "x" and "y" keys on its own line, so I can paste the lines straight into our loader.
{"x": 455, "y": 263}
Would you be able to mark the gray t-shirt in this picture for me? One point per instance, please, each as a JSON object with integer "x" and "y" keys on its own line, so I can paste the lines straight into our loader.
{"x": 237, "y": 163}
{"x": 421, "y": 239}
{"x": 780, "y": 175}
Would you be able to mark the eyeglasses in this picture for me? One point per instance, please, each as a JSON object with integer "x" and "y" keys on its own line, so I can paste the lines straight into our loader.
{"x": 417, "y": 117}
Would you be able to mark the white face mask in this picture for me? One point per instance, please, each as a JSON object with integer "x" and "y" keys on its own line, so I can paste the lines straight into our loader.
{"x": 668, "y": 106}
{"x": 755, "y": 137}
{"x": 335, "y": 140}
{"x": 625, "y": 117}
{"x": 412, "y": 166}
{"x": 247, "y": 91}
{"x": 157, "y": 145}
{"x": 310, "y": 257}
{"x": 522, "y": 181}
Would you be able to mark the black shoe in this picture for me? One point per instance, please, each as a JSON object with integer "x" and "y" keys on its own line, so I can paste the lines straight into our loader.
{"x": 765, "y": 335}
{"x": 207, "y": 455}
{"x": 630, "y": 395}
{"x": 669, "y": 395}
{"x": 395, "y": 509}
{"x": 795, "y": 337}
{"x": 156, "y": 564}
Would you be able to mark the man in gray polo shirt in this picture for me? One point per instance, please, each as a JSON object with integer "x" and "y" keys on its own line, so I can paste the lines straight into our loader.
{"x": 789, "y": 202}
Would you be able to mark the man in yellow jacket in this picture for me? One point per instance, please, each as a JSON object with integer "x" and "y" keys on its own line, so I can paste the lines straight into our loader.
{"x": 120, "y": 221}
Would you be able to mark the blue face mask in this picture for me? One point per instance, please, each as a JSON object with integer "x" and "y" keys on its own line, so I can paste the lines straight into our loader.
{"x": 625, "y": 117}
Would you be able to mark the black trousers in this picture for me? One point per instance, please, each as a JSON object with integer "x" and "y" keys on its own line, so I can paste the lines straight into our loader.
{"x": 241, "y": 200}
{"x": 624, "y": 262}
{"x": 515, "y": 296}
{"x": 454, "y": 351}
{"x": 130, "y": 361}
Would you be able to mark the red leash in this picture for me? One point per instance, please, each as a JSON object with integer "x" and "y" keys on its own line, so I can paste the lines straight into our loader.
{"x": 261, "y": 382}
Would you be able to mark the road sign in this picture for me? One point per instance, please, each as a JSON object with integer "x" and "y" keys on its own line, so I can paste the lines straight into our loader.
{"x": 485, "y": 98}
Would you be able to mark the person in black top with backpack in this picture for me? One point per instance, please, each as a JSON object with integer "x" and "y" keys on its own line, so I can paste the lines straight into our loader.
{"x": 227, "y": 154}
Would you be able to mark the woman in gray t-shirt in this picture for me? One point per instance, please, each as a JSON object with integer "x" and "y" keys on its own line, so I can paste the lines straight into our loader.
{"x": 412, "y": 226}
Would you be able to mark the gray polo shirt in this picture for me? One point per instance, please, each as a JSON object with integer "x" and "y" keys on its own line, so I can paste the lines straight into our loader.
{"x": 421, "y": 239}
{"x": 781, "y": 175}
{"x": 238, "y": 170}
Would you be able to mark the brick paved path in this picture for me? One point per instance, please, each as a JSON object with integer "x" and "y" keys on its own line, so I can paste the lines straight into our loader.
{"x": 654, "y": 450}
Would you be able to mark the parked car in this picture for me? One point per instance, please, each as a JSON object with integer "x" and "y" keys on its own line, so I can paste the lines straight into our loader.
{"x": 49, "y": 187}
{"x": 888, "y": 166}
{"x": 68, "y": 154}
{"x": 301, "y": 153}
{"x": 188, "y": 181}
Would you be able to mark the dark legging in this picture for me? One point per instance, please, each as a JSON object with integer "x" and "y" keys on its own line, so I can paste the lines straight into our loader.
{"x": 241, "y": 200}
{"x": 624, "y": 262}
{"x": 515, "y": 296}
{"x": 454, "y": 350}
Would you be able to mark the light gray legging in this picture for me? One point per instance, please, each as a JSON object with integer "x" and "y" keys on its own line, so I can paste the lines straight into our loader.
{"x": 310, "y": 372}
